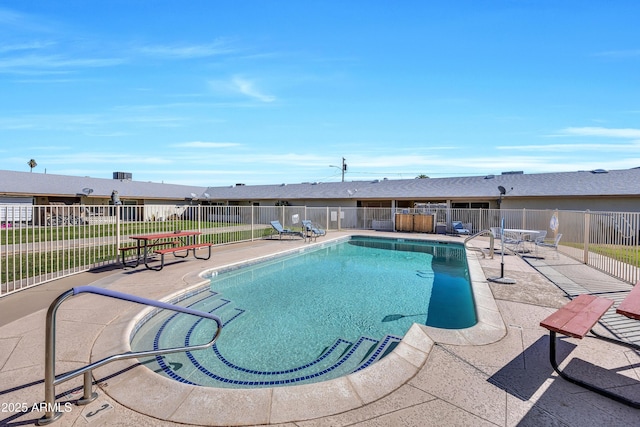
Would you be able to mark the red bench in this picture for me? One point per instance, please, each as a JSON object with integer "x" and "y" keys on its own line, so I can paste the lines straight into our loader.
{"x": 630, "y": 307}
{"x": 187, "y": 248}
{"x": 125, "y": 249}
{"x": 575, "y": 319}
{"x": 578, "y": 316}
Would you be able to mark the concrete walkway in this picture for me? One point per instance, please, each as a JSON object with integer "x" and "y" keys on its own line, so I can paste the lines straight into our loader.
{"x": 506, "y": 382}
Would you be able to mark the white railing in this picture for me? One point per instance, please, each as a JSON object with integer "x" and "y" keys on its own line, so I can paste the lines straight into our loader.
{"x": 42, "y": 243}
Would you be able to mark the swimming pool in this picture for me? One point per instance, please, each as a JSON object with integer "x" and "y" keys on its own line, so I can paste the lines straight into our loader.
{"x": 318, "y": 315}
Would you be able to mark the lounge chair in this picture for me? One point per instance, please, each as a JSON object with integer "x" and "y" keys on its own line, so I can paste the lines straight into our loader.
{"x": 284, "y": 231}
{"x": 458, "y": 228}
{"x": 312, "y": 231}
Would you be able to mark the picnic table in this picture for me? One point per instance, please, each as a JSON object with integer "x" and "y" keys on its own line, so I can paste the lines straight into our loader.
{"x": 172, "y": 242}
{"x": 577, "y": 318}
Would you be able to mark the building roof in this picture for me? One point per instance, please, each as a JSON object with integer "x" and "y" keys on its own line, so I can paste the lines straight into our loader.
{"x": 618, "y": 183}
{"x": 38, "y": 184}
{"x": 560, "y": 184}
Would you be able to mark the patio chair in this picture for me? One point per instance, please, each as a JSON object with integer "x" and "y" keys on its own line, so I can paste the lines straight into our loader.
{"x": 284, "y": 231}
{"x": 458, "y": 228}
{"x": 497, "y": 234}
{"x": 553, "y": 245}
{"x": 312, "y": 231}
{"x": 536, "y": 238}
{"x": 513, "y": 241}
{"x": 540, "y": 236}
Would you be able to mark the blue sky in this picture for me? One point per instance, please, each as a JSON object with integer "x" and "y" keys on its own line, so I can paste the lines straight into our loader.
{"x": 268, "y": 92}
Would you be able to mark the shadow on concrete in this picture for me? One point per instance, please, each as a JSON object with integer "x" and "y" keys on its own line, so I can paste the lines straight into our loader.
{"x": 523, "y": 376}
{"x": 563, "y": 403}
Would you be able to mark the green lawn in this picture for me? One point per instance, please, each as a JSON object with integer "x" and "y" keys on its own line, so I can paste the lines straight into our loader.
{"x": 627, "y": 254}
{"x": 72, "y": 232}
{"x": 22, "y": 266}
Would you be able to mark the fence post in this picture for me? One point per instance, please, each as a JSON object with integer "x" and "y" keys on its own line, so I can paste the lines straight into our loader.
{"x": 118, "y": 241}
{"x": 586, "y": 237}
{"x": 199, "y": 219}
{"x": 252, "y": 222}
{"x": 328, "y": 222}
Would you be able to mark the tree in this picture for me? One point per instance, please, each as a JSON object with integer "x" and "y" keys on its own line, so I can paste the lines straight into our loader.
{"x": 421, "y": 176}
{"x": 32, "y": 164}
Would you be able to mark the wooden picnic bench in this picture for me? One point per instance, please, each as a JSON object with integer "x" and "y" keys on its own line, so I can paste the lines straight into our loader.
{"x": 578, "y": 317}
{"x": 123, "y": 250}
{"x": 174, "y": 249}
{"x": 630, "y": 306}
{"x": 168, "y": 242}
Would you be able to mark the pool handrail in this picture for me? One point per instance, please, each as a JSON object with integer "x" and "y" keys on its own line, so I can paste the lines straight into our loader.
{"x": 480, "y": 233}
{"x": 50, "y": 380}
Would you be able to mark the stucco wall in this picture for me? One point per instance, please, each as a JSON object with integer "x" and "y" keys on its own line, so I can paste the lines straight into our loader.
{"x": 631, "y": 204}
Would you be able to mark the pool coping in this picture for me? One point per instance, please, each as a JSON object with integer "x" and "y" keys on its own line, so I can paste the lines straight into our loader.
{"x": 146, "y": 392}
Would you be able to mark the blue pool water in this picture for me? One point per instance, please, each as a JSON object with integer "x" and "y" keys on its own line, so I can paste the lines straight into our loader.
{"x": 315, "y": 315}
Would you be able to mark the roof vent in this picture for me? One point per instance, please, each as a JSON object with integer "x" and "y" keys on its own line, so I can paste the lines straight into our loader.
{"x": 513, "y": 173}
{"x": 599, "y": 171}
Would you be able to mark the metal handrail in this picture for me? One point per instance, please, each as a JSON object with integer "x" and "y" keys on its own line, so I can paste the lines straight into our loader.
{"x": 480, "y": 233}
{"x": 50, "y": 380}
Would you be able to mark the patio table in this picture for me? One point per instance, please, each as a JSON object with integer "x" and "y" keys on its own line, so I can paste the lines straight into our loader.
{"x": 520, "y": 236}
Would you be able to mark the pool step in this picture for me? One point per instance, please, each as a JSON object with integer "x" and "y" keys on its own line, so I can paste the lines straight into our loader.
{"x": 384, "y": 347}
{"x": 210, "y": 367}
{"x": 170, "y": 325}
{"x": 341, "y": 358}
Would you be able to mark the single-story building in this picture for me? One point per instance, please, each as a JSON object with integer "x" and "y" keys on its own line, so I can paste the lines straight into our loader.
{"x": 596, "y": 190}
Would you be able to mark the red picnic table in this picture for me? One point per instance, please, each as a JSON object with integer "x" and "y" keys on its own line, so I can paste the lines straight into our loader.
{"x": 168, "y": 242}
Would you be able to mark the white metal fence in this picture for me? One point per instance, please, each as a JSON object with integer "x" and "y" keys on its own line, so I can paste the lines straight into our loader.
{"x": 43, "y": 243}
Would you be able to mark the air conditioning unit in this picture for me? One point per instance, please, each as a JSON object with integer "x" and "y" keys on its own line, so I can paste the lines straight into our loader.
{"x": 122, "y": 176}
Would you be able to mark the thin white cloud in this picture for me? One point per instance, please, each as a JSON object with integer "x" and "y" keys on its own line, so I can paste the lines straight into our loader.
{"x": 239, "y": 85}
{"x": 565, "y": 148}
{"x": 600, "y": 131}
{"x": 248, "y": 88}
{"x": 630, "y": 53}
{"x": 202, "y": 144}
{"x": 98, "y": 158}
{"x": 219, "y": 47}
{"x": 7, "y": 48}
{"x": 39, "y": 64}
{"x": 22, "y": 22}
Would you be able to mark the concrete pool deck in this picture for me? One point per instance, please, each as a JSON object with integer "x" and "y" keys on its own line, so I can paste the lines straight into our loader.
{"x": 496, "y": 374}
